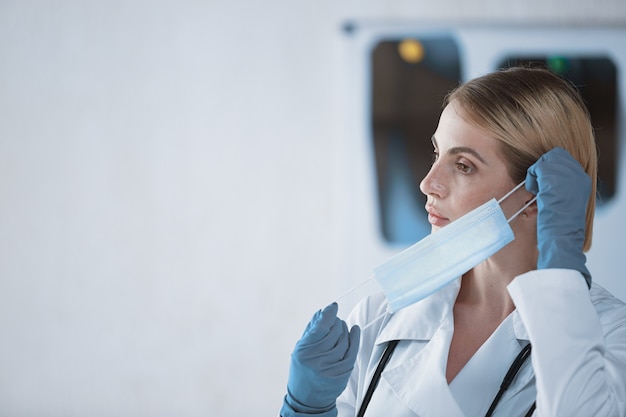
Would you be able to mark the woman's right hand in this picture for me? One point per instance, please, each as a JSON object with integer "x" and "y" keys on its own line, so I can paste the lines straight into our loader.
{"x": 321, "y": 364}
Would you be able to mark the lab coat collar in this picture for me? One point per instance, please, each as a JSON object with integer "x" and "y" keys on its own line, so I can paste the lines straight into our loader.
{"x": 422, "y": 319}
{"x": 431, "y": 320}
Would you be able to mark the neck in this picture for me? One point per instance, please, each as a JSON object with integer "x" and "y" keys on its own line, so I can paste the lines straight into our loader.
{"x": 484, "y": 286}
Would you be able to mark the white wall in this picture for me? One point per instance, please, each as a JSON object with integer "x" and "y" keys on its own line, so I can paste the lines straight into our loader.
{"x": 168, "y": 194}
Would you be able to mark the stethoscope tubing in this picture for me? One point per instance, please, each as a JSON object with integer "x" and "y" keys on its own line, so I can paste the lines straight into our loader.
{"x": 506, "y": 382}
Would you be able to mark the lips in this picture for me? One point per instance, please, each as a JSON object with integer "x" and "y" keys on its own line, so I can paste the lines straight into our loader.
{"x": 435, "y": 218}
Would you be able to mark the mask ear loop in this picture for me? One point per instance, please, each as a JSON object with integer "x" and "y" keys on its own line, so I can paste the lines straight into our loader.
{"x": 517, "y": 187}
{"x": 376, "y": 319}
{"x": 356, "y": 287}
{"x": 522, "y": 209}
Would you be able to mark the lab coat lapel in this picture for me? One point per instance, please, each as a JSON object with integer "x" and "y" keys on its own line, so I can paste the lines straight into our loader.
{"x": 420, "y": 383}
{"x": 477, "y": 383}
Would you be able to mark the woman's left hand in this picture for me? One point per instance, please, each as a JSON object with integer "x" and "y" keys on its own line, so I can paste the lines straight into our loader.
{"x": 562, "y": 188}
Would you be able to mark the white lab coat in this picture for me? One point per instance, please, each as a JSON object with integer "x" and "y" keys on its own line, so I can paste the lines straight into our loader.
{"x": 577, "y": 366}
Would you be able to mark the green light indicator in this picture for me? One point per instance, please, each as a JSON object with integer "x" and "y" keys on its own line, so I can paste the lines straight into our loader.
{"x": 558, "y": 64}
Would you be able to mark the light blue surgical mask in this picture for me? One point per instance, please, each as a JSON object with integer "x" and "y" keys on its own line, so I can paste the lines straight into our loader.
{"x": 445, "y": 254}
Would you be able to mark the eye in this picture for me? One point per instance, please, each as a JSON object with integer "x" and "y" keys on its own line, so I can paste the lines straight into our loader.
{"x": 463, "y": 168}
{"x": 435, "y": 156}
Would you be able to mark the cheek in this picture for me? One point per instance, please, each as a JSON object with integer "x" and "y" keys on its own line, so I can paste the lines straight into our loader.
{"x": 464, "y": 203}
{"x": 469, "y": 198}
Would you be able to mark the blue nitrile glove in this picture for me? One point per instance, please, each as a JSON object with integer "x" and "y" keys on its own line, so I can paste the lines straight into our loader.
{"x": 562, "y": 188}
{"x": 321, "y": 364}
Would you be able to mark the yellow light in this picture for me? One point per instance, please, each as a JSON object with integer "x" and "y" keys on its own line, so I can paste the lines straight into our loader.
{"x": 411, "y": 50}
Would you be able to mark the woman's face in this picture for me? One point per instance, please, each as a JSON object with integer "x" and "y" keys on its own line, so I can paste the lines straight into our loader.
{"x": 467, "y": 171}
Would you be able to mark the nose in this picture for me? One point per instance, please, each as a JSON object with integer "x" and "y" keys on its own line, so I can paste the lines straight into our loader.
{"x": 432, "y": 184}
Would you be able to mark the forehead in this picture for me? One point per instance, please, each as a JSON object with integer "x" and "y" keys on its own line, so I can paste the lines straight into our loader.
{"x": 455, "y": 130}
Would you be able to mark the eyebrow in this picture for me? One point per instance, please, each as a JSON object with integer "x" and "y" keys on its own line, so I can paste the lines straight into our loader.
{"x": 461, "y": 149}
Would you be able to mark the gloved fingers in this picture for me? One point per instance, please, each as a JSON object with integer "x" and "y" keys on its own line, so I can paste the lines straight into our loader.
{"x": 332, "y": 345}
{"x": 353, "y": 348}
{"x": 561, "y": 185}
{"x": 531, "y": 181}
{"x": 560, "y": 157}
{"x": 320, "y": 324}
{"x": 347, "y": 345}
{"x": 326, "y": 335}
{"x": 340, "y": 360}
{"x": 347, "y": 363}
{"x": 343, "y": 342}
{"x": 332, "y": 354}
{"x": 558, "y": 172}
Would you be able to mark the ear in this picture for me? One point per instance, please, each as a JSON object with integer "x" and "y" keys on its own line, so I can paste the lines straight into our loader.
{"x": 531, "y": 210}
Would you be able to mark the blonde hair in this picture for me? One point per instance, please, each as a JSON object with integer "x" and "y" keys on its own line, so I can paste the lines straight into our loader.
{"x": 531, "y": 111}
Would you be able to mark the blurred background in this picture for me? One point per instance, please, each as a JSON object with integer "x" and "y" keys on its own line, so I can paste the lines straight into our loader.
{"x": 183, "y": 183}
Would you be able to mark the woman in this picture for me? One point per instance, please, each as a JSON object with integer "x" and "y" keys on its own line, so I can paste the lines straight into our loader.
{"x": 456, "y": 346}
